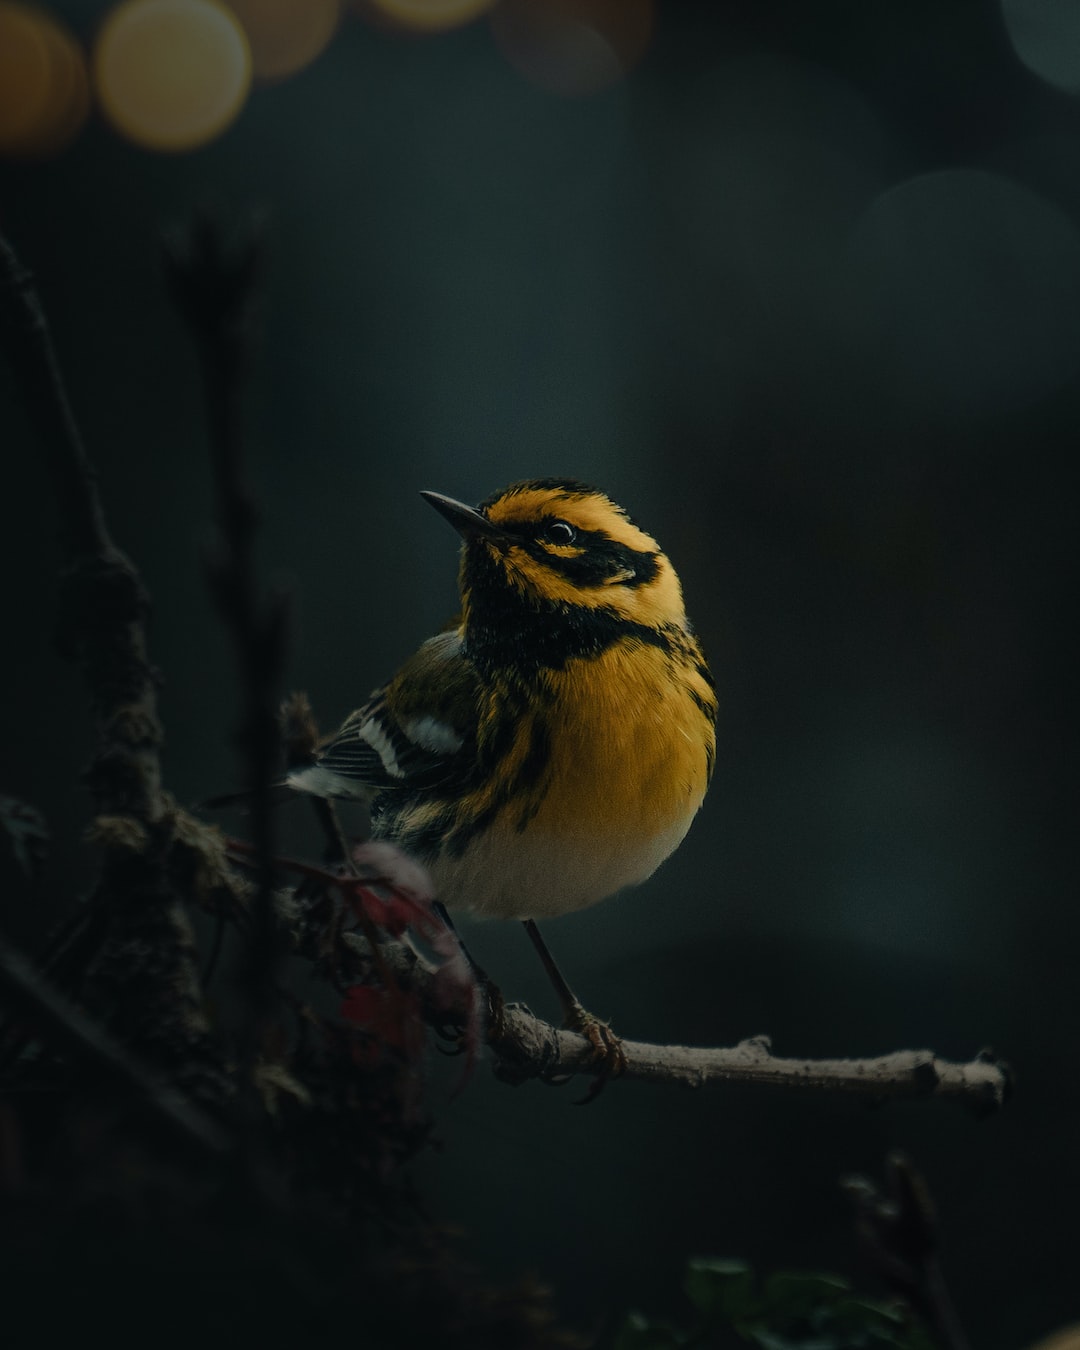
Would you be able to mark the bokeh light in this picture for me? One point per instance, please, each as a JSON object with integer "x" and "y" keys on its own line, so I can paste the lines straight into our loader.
{"x": 1045, "y": 35}
{"x": 966, "y": 288}
{"x": 573, "y": 47}
{"x": 423, "y": 16}
{"x": 171, "y": 74}
{"x": 44, "y": 87}
{"x": 286, "y": 35}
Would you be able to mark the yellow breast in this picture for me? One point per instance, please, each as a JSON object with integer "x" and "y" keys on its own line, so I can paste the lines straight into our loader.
{"x": 632, "y": 750}
{"x": 621, "y": 749}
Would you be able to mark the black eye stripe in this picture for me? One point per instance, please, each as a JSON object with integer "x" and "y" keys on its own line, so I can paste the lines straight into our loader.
{"x": 601, "y": 560}
{"x": 598, "y": 559}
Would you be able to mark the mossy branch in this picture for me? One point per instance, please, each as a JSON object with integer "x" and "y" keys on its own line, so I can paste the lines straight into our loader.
{"x": 145, "y": 981}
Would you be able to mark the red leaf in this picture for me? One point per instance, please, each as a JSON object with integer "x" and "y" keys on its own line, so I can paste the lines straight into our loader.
{"x": 391, "y": 1017}
{"x": 395, "y": 892}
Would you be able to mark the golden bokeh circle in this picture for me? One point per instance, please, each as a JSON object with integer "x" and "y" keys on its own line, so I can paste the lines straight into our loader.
{"x": 171, "y": 74}
{"x": 573, "y": 47}
{"x": 24, "y": 74}
{"x": 423, "y": 16}
{"x": 286, "y": 35}
{"x": 44, "y": 89}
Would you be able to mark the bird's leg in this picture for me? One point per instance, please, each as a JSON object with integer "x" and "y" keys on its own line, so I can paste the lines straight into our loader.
{"x": 444, "y": 914}
{"x": 492, "y": 992}
{"x": 607, "y": 1046}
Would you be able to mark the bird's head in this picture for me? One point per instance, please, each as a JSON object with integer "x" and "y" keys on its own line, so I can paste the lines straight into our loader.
{"x": 550, "y": 542}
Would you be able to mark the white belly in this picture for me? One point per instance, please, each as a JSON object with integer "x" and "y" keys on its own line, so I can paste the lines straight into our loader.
{"x": 533, "y": 874}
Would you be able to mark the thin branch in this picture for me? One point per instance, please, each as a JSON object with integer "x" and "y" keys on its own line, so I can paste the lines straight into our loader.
{"x": 526, "y": 1047}
{"x": 103, "y": 605}
{"x": 523, "y": 1046}
{"x": 24, "y": 333}
{"x": 215, "y": 284}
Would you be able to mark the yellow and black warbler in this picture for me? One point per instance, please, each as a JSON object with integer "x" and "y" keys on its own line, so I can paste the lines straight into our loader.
{"x": 555, "y": 744}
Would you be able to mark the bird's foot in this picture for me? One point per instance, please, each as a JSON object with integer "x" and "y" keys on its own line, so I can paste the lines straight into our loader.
{"x": 460, "y": 1034}
{"x": 609, "y": 1058}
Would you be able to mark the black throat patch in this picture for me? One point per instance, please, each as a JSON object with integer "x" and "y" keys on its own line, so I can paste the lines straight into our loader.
{"x": 507, "y": 627}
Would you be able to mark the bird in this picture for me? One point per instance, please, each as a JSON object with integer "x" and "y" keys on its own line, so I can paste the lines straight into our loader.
{"x": 553, "y": 744}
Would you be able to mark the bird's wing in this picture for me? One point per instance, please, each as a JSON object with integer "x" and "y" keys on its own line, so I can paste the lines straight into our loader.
{"x": 417, "y": 731}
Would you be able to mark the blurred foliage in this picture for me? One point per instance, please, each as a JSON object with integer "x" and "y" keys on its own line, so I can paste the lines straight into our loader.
{"x": 25, "y": 832}
{"x": 788, "y": 1310}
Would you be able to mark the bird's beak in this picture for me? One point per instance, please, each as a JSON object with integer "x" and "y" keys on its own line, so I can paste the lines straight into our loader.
{"x": 467, "y": 520}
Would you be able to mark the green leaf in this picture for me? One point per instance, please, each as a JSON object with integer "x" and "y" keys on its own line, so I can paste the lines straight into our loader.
{"x": 721, "y": 1289}
{"x": 861, "y": 1314}
{"x": 916, "y": 1337}
{"x": 26, "y": 832}
{"x": 773, "y": 1340}
{"x": 870, "y": 1322}
{"x": 795, "y": 1294}
{"x": 638, "y": 1333}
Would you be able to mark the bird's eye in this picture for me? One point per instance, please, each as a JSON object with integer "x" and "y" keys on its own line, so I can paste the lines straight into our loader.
{"x": 560, "y": 532}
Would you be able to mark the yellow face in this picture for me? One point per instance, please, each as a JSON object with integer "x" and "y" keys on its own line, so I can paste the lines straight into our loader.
{"x": 562, "y": 542}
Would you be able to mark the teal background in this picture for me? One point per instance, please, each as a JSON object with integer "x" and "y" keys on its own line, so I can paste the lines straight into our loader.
{"x": 803, "y": 293}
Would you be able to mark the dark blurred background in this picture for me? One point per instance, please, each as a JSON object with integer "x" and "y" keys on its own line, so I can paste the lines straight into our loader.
{"x": 797, "y": 282}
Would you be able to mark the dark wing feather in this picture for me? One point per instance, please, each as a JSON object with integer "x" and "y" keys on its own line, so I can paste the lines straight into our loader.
{"x": 417, "y": 731}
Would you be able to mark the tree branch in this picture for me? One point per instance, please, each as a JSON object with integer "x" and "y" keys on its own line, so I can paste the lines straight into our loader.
{"x": 145, "y": 981}
{"x": 214, "y": 284}
{"x": 103, "y": 606}
{"x": 526, "y": 1047}
{"x": 25, "y": 336}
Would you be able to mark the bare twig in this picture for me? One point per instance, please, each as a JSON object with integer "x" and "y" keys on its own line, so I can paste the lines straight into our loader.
{"x": 526, "y": 1047}
{"x": 898, "y": 1232}
{"x": 25, "y": 334}
{"x": 214, "y": 285}
{"x": 523, "y": 1046}
{"x": 103, "y": 604}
